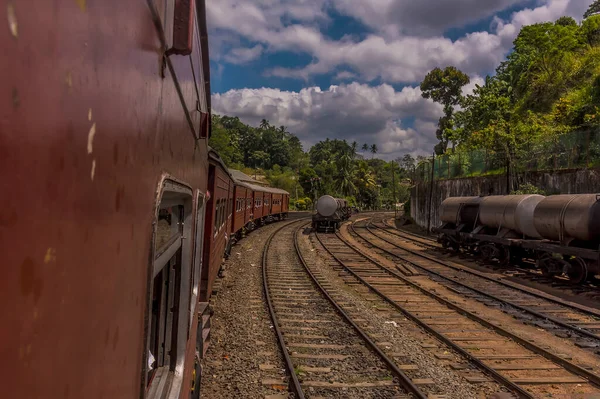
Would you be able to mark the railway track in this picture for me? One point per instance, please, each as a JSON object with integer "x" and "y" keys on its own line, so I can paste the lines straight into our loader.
{"x": 564, "y": 319}
{"x": 326, "y": 353}
{"x": 526, "y": 369}
{"x": 590, "y": 289}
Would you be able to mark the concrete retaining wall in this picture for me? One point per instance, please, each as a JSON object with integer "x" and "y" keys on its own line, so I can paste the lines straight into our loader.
{"x": 554, "y": 182}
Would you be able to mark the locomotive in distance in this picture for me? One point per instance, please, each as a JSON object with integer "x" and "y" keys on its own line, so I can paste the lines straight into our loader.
{"x": 330, "y": 213}
{"x": 559, "y": 233}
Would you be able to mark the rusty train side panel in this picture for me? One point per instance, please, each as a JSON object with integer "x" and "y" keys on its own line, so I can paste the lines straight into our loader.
{"x": 92, "y": 120}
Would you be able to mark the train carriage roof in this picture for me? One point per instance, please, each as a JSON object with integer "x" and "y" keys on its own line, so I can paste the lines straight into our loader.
{"x": 243, "y": 180}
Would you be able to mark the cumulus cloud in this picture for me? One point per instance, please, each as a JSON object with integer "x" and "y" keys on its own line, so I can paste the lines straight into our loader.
{"x": 403, "y": 44}
{"x": 243, "y": 55}
{"x": 367, "y": 114}
{"x": 421, "y": 18}
{"x": 401, "y": 58}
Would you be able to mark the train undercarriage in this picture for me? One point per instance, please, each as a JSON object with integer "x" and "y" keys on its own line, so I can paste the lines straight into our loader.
{"x": 575, "y": 263}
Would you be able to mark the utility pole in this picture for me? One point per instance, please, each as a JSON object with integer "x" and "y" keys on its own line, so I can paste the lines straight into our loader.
{"x": 431, "y": 193}
{"x": 394, "y": 190}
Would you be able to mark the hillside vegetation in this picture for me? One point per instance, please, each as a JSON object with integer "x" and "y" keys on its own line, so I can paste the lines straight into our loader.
{"x": 544, "y": 99}
{"x": 333, "y": 167}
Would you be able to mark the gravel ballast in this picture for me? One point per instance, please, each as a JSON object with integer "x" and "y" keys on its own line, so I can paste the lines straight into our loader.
{"x": 243, "y": 356}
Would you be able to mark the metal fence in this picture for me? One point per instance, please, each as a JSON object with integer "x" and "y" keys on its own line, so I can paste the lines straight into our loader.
{"x": 577, "y": 150}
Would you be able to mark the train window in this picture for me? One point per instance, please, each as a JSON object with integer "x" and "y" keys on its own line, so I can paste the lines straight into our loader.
{"x": 217, "y": 217}
{"x": 220, "y": 218}
{"x": 169, "y": 294}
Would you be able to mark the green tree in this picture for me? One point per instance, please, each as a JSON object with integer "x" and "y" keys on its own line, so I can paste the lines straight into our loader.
{"x": 566, "y": 21}
{"x": 345, "y": 175}
{"x": 444, "y": 87}
{"x": 365, "y": 147}
{"x": 354, "y": 147}
{"x": 590, "y": 29}
{"x": 373, "y": 150}
{"x": 593, "y": 9}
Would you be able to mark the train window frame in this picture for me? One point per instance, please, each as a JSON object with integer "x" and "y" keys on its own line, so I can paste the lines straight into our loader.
{"x": 169, "y": 277}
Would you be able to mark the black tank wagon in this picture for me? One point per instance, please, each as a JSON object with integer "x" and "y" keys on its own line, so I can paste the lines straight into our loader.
{"x": 330, "y": 213}
{"x": 560, "y": 233}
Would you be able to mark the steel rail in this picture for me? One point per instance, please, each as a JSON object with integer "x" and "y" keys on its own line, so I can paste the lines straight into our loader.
{"x": 554, "y": 320}
{"x": 547, "y": 297}
{"x": 497, "y": 376}
{"x": 572, "y": 367}
{"x": 294, "y": 383}
{"x": 575, "y": 369}
{"x": 405, "y": 381}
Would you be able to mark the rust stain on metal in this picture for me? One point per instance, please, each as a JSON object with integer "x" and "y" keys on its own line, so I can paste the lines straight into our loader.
{"x": 90, "y": 115}
{"x": 69, "y": 80}
{"x": 50, "y": 255}
{"x": 12, "y": 20}
{"x": 91, "y": 134}
{"x": 81, "y": 4}
{"x": 93, "y": 172}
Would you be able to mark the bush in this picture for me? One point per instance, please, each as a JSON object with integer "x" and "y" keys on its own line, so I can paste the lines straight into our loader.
{"x": 528, "y": 189}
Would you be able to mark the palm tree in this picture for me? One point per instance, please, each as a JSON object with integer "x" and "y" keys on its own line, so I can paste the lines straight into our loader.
{"x": 354, "y": 147}
{"x": 365, "y": 147}
{"x": 282, "y": 132}
{"x": 373, "y": 150}
{"x": 264, "y": 124}
{"x": 345, "y": 176}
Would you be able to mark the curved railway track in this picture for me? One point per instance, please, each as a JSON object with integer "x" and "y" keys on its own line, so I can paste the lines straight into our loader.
{"x": 522, "y": 366}
{"x": 326, "y": 353}
{"x": 566, "y": 320}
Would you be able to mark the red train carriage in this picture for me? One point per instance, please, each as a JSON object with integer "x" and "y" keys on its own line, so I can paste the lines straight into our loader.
{"x": 259, "y": 198}
{"x": 285, "y": 204}
{"x": 249, "y": 216}
{"x": 103, "y": 165}
{"x": 239, "y": 219}
{"x": 266, "y": 208}
{"x": 218, "y": 222}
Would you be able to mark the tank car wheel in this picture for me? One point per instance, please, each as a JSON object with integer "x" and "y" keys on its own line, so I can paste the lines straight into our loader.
{"x": 543, "y": 263}
{"x": 487, "y": 252}
{"x": 578, "y": 271}
{"x": 505, "y": 257}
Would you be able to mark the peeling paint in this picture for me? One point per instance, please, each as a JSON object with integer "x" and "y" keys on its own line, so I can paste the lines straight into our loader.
{"x": 93, "y": 172}
{"x": 50, "y": 255}
{"x": 90, "y": 115}
{"x": 12, "y": 20}
{"x": 90, "y": 143}
{"x": 81, "y": 4}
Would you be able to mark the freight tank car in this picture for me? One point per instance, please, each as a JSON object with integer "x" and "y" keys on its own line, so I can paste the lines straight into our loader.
{"x": 560, "y": 233}
{"x": 330, "y": 213}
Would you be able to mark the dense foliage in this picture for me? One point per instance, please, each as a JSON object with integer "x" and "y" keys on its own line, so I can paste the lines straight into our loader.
{"x": 546, "y": 90}
{"x": 333, "y": 167}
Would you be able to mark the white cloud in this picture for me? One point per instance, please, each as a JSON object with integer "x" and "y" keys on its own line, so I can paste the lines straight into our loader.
{"x": 401, "y": 58}
{"x": 420, "y": 18}
{"x": 352, "y": 112}
{"x": 242, "y": 55}
{"x": 404, "y": 44}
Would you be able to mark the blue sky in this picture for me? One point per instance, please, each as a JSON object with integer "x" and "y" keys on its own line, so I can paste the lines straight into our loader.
{"x": 350, "y": 69}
